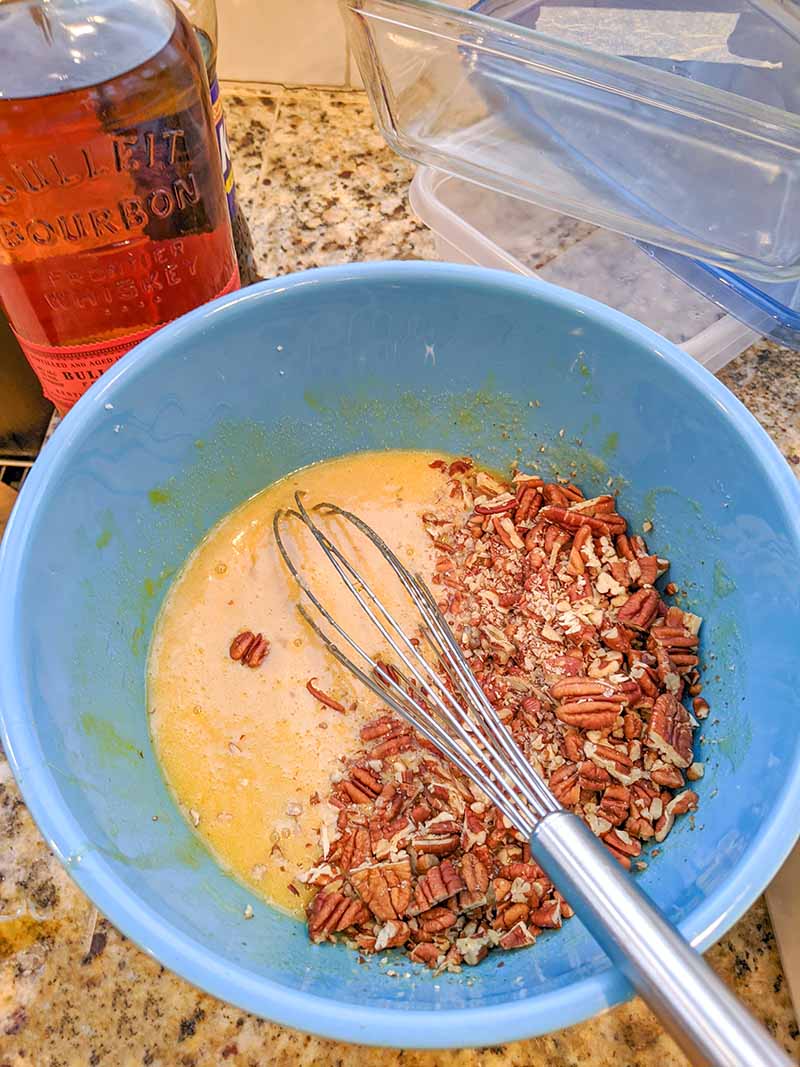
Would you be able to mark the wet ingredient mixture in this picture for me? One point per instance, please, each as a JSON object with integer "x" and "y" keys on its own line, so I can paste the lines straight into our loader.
{"x": 249, "y": 735}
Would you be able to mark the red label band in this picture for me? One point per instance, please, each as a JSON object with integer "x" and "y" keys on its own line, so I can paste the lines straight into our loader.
{"x": 67, "y": 371}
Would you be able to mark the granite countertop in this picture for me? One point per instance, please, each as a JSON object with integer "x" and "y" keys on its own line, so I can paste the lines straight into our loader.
{"x": 318, "y": 186}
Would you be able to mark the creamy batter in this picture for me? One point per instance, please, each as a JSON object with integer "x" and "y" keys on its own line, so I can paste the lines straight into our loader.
{"x": 246, "y": 750}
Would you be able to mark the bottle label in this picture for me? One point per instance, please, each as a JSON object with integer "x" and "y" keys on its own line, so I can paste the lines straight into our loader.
{"x": 224, "y": 149}
{"x": 67, "y": 371}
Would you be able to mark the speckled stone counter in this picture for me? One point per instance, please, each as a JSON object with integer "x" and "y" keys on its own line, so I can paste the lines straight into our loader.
{"x": 318, "y": 186}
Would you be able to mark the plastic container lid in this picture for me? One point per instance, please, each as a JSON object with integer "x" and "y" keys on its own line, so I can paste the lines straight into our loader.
{"x": 477, "y": 225}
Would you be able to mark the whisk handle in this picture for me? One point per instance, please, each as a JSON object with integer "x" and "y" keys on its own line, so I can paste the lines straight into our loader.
{"x": 711, "y": 1026}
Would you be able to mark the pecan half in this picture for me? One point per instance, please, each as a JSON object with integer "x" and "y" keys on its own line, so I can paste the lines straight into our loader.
{"x": 474, "y": 873}
{"x": 588, "y": 714}
{"x": 614, "y": 806}
{"x": 249, "y": 649}
{"x": 385, "y": 887}
{"x": 671, "y": 730}
{"x": 640, "y": 608}
{"x": 565, "y": 784}
{"x": 438, "y": 884}
{"x": 437, "y": 920}
{"x": 332, "y": 912}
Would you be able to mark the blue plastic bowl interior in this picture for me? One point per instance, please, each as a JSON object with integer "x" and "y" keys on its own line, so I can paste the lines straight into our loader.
{"x": 294, "y": 370}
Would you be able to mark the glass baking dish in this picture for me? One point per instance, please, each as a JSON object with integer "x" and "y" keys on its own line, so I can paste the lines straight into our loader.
{"x": 685, "y": 134}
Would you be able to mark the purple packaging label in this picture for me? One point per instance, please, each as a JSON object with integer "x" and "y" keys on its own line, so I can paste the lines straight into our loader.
{"x": 222, "y": 144}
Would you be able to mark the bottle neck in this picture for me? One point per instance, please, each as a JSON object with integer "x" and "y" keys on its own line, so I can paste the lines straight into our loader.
{"x": 73, "y": 44}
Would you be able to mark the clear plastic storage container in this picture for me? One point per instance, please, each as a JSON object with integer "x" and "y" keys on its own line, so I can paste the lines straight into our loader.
{"x": 477, "y": 225}
{"x": 677, "y": 123}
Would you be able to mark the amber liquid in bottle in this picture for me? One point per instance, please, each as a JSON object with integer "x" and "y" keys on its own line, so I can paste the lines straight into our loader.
{"x": 113, "y": 217}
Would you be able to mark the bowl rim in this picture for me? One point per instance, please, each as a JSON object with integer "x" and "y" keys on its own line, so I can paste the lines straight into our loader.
{"x": 191, "y": 959}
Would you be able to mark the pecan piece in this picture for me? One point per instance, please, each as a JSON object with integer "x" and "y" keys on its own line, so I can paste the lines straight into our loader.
{"x": 426, "y": 953}
{"x": 565, "y": 785}
{"x": 589, "y": 714}
{"x": 518, "y": 936}
{"x": 385, "y": 887}
{"x": 679, "y": 805}
{"x": 622, "y": 842}
{"x": 437, "y": 920}
{"x": 510, "y": 914}
{"x": 438, "y": 884}
{"x": 570, "y": 520}
{"x": 614, "y": 806}
{"x": 332, "y": 912}
{"x": 640, "y": 828}
{"x": 576, "y": 564}
{"x": 669, "y": 777}
{"x": 548, "y": 915}
{"x": 671, "y": 730}
{"x": 437, "y": 846}
{"x": 391, "y": 935}
{"x": 249, "y": 649}
{"x": 474, "y": 873}
{"x": 594, "y": 778}
{"x": 640, "y": 608}
{"x": 572, "y": 688}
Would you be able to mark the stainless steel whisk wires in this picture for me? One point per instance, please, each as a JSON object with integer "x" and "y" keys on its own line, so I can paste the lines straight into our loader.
{"x": 505, "y": 775}
{"x": 710, "y": 1025}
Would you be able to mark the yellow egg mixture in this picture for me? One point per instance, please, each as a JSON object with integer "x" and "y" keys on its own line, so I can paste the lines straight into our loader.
{"x": 244, "y": 749}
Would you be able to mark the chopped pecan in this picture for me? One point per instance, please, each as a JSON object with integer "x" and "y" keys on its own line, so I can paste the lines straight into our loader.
{"x": 548, "y": 915}
{"x": 438, "y": 884}
{"x": 573, "y": 746}
{"x": 332, "y": 912}
{"x": 589, "y": 714}
{"x": 640, "y": 828}
{"x": 385, "y": 887}
{"x": 509, "y": 915}
{"x": 679, "y": 805}
{"x": 324, "y": 698}
{"x": 640, "y": 608}
{"x": 622, "y": 842}
{"x": 573, "y": 688}
{"x": 592, "y": 777}
{"x": 670, "y": 777}
{"x": 474, "y": 873}
{"x": 437, "y": 920}
{"x": 249, "y": 649}
{"x": 565, "y": 784}
{"x": 518, "y": 936}
{"x": 386, "y": 724}
{"x": 437, "y": 846}
{"x": 426, "y": 953}
{"x": 501, "y": 887}
{"x": 391, "y": 935}
{"x": 366, "y": 781}
{"x": 671, "y": 730}
{"x": 614, "y": 806}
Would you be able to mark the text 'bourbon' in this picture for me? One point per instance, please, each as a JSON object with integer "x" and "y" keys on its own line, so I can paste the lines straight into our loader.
{"x": 113, "y": 217}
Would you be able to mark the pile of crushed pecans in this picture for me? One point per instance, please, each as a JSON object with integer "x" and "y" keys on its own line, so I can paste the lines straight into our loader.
{"x": 555, "y": 607}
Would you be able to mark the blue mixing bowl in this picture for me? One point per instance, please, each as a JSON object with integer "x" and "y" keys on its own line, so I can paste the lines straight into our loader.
{"x": 302, "y": 368}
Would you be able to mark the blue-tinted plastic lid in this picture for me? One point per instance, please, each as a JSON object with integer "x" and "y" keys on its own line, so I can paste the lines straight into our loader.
{"x": 750, "y": 48}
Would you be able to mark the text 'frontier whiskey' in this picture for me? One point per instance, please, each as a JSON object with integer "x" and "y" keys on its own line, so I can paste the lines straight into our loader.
{"x": 113, "y": 217}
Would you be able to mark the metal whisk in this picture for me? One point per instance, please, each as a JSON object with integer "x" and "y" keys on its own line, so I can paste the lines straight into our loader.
{"x": 709, "y": 1024}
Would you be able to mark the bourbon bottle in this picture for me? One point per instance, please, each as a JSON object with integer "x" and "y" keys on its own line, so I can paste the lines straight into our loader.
{"x": 113, "y": 216}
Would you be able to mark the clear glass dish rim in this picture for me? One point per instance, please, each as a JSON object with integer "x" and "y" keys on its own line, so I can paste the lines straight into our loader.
{"x": 760, "y": 120}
